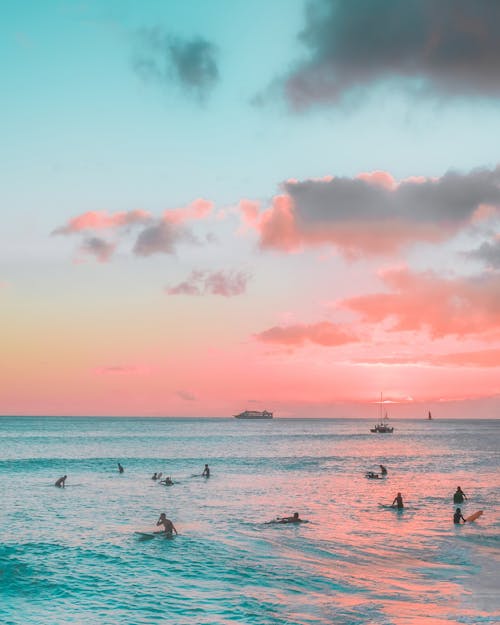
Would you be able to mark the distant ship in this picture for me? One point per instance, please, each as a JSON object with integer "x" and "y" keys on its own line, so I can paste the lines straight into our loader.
{"x": 254, "y": 414}
{"x": 429, "y": 417}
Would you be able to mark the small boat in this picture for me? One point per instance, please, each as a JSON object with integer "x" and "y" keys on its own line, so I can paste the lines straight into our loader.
{"x": 254, "y": 414}
{"x": 429, "y": 417}
{"x": 382, "y": 427}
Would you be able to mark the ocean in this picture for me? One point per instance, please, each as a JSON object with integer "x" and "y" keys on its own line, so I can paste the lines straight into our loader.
{"x": 70, "y": 556}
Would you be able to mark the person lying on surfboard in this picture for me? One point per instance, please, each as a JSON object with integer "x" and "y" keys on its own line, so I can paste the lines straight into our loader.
{"x": 398, "y": 499}
{"x": 167, "y": 524}
{"x": 457, "y": 516}
{"x": 290, "y": 519}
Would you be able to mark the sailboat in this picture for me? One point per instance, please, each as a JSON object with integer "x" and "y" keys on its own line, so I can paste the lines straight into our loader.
{"x": 429, "y": 417}
{"x": 382, "y": 427}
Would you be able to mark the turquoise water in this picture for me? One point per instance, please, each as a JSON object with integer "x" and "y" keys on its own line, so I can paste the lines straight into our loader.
{"x": 71, "y": 556}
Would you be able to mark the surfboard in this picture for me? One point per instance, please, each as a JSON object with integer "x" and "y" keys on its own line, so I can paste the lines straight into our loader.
{"x": 474, "y": 516}
{"x": 148, "y": 534}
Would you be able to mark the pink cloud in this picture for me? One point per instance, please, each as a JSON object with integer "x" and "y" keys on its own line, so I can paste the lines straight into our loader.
{"x": 101, "y": 220}
{"x": 372, "y": 213}
{"x": 380, "y": 178}
{"x": 485, "y": 358}
{"x": 199, "y": 209}
{"x": 425, "y": 301}
{"x": 322, "y": 333}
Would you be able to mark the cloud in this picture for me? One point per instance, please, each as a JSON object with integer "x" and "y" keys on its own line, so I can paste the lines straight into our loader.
{"x": 424, "y": 301}
{"x": 226, "y": 284}
{"x": 186, "y": 395}
{"x": 166, "y": 59}
{"x": 481, "y": 358}
{"x": 372, "y": 213}
{"x": 100, "y": 248}
{"x": 447, "y": 48}
{"x": 157, "y": 235}
{"x": 121, "y": 370}
{"x": 199, "y": 209}
{"x": 489, "y": 253}
{"x": 322, "y": 333}
{"x": 160, "y": 238}
{"x": 101, "y": 220}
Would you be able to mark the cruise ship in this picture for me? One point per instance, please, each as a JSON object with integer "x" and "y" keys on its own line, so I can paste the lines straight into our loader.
{"x": 254, "y": 414}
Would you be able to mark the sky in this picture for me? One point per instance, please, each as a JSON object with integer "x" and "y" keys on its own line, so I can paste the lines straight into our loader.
{"x": 213, "y": 206}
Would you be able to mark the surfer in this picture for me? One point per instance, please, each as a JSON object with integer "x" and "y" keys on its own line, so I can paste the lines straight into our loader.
{"x": 206, "y": 471}
{"x": 155, "y": 476}
{"x": 383, "y": 470}
{"x": 167, "y": 524}
{"x": 60, "y": 483}
{"x": 372, "y": 475}
{"x": 398, "y": 500}
{"x": 290, "y": 519}
{"x": 457, "y": 516}
{"x": 459, "y": 495}
{"x": 120, "y": 468}
{"x": 167, "y": 481}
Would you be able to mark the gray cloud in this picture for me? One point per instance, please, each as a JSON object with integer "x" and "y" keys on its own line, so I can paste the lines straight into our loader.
{"x": 226, "y": 284}
{"x": 449, "y": 199}
{"x": 489, "y": 253}
{"x": 100, "y": 248}
{"x": 159, "y": 238}
{"x": 372, "y": 214}
{"x": 166, "y": 59}
{"x": 186, "y": 395}
{"x": 447, "y": 47}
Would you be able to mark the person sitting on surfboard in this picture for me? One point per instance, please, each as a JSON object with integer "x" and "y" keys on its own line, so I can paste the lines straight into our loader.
{"x": 120, "y": 468}
{"x": 61, "y": 481}
{"x": 457, "y": 516}
{"x": 167, "y": 524}
{"x": 383, "y": 470}
{"x": 459, "y": 496}
{"x": 167, "y": 481}
{"x": 206, "y": 471}
{"x": 398, "y": 499}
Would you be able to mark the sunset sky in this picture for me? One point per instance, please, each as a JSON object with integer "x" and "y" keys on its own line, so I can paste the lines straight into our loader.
{"x": 212, "y": 206}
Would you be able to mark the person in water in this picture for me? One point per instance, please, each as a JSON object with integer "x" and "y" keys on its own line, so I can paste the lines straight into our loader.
{"x": 206, "y": 471}
{"x": 167, "y": 481}
{"x": 155, "y": 476}
{"x": 120, "y": 468}
{"x": 372, "y": 475}
{"x": 290, "y": 519}
{"x": 168, "y": 526}
{"x": 383, "y": 470}
{"x": 459, "y": 496}
{"x": 398, "y": 500}
{"x": 60, "y": 483}
{"x": 457, "y": 516}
